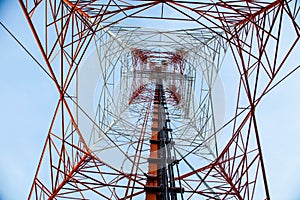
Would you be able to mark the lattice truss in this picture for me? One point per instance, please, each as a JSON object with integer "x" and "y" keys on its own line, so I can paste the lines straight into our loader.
{"x": 104, "y": 58}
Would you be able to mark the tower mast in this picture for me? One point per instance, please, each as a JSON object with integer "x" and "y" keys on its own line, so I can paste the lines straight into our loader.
{"x": 160, "y": 179}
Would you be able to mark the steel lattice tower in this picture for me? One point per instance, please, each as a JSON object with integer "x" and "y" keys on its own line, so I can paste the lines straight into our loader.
{"x": 139, "y": 95}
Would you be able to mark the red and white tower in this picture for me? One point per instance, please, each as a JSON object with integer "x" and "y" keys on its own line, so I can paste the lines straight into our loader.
{"x": 140, "y": 112}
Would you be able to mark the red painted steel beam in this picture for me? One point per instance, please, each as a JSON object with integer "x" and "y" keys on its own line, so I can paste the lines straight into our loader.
{"x": 265, "y": 9}
{"x": 69, "y": 176}
{"x": 35, "y": 34}
{"x": 79, "y": 10}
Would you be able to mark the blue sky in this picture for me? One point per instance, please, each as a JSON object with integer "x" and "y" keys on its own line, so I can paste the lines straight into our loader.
{"x": 27, "y": 104}
{"x": 28, "y": 98}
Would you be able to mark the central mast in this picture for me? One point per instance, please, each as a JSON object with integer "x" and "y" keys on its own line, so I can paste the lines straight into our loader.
{"x": 160, "y": 179}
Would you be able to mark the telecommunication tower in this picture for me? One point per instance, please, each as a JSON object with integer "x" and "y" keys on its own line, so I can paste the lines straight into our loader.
{"x": 140, "y": 112}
